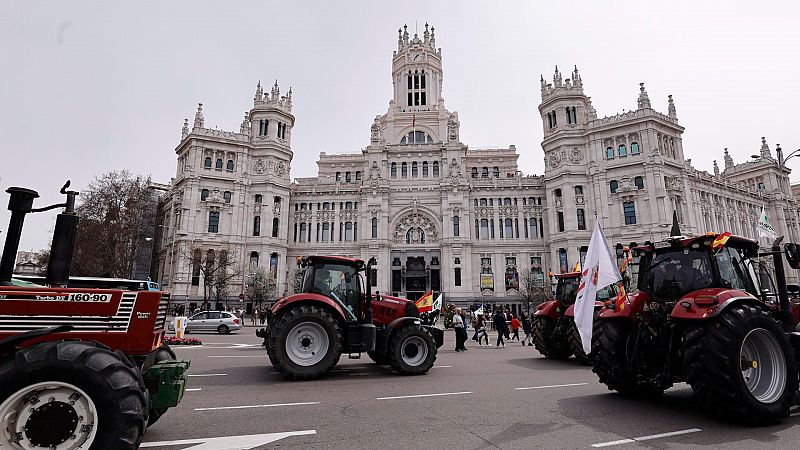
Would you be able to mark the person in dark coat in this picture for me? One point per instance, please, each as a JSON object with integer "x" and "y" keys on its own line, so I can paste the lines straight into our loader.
{"x": 527, "y": 329}
{"x": 499, "y": 321}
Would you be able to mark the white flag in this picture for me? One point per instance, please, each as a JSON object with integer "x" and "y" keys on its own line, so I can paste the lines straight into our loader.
{"x": 599, "y": 270}
{"x": 764, "y": 227}
{"x": 437, "y": 304}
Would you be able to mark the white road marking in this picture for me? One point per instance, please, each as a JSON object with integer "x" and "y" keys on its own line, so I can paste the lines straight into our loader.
{"x": 230, "y": 442}
{"x": 646, "y": 438}
{"x": 234, "y": 356}
{"x": 424, "y": 395}
{"x": 208, "y": 375}
{"x": 443, "y": 367}
{"x": 551, "y": 386}
{"x": 275, "y": 405}
{"x": 193, "y": 389}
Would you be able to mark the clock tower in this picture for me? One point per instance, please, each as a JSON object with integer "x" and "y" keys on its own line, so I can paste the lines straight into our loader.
{"x": 417, "y": 71}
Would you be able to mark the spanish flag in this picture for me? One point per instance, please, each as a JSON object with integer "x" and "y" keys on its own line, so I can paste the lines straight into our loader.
{"x": 425, "y": 303}
{"x": 621, "y": 297}
{"x": 720, "y": 241}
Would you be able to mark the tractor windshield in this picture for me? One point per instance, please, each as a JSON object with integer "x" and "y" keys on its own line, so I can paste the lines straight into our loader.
{"x": 339, "y": 282}
{"x": 567, "y": 290}
{"x": 673, "y": 273}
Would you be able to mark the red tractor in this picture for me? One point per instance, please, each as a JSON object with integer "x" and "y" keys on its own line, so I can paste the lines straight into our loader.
{"x": 554, "y": 332}
{"x": 700, "y": 316}
{"x": 336, "y": 313}
{"x": 79, "y": 368}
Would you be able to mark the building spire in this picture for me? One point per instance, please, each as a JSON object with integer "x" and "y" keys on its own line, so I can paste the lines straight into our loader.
{"x": 672, "y": 113}
{"x": 289, "y": 98}
{"x": 198, "y": 116}
{"x": 245, "y": 127}
{"x": 426, "y": 35}
{"x": 433, "y": 38}
{"x": 591, "y": 113}
{"x": 716, "y": 169}
{"x": 728, "y": 160}
{"x": 576, "y": 78}
{"x": 765, "y": 153}
{"x": 259, "y": 93}
{"x": 185, "y": 129}
{"x": 557, "y": 78}
{"x": 276, "y": 92}
{"x": 644, "y": 100}
{"x": 399, "y": 39}
{"x": 405, "y": 34}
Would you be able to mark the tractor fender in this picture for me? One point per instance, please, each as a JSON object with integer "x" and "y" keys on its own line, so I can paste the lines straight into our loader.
{"x": 633, "y": 304}
{"x": 385, "y": 334}
{"x": 551, "y": 309}
{"x": 570, "y": 312}
{"x": 8, "y": 344}
{"x": 712, "y": 302}
{"x": 309, "y": 298}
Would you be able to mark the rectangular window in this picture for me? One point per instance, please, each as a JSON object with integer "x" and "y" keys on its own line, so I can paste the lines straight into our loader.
{"x": 303, "y": 232}
{"x": 348, "y": 231}
{"x": 629, "y": 209}
{"x": 410, "y": 103}
{"x": 457, "y": 276}
{"x": 491, "y": 228}
{"x": 509, "y": 228}
{"x": 257, "y": 226}
{"x": 196, "y": 272}
{"x": 416, "y": 98}
{"x": 456, "y": 225}
{"x": 534, "y": 232}
{"x": 581, "y": 219}
{"x": 423, "y": 99}
{"x": 374, "y": 228}
{"x": 561, "y": 221}
{"x": 373, "y": 277}
{"x": 213, "y": 222}
{"x": 484, "y": 232}
{"x": 275, "y": 227}
{"x": 326, "y": 232}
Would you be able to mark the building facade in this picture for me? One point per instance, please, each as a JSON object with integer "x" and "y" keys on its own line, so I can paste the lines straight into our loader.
{"x": 438, "y": 214}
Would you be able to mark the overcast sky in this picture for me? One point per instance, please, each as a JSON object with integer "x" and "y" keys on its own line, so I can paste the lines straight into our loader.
{"x": 90, "y": 87}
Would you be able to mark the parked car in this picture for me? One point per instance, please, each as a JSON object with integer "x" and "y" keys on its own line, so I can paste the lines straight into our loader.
{"x": 222, "y": 322}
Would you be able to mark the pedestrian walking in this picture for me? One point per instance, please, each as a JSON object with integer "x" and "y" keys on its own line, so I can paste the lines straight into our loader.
{"x": 254, "y": 316}
{"x": 499, "y": 321}
{"x": 480, "y": 330}
{"x": 527, "y": 329}
{"x": 515, "y": 326}
{"x": 458, "y": 327}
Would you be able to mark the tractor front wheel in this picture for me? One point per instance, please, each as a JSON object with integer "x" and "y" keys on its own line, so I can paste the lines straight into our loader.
{"x": 412, "y": 350}
{"x": 305, "y": 344}
{"x": 71, "y": 395}
{"x": 546, "y": 341}
{"x": 740, "y": 363}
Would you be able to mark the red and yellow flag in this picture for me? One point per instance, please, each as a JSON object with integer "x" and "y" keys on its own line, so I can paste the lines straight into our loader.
{"x": 425, "y": 303}
{"x": 577, "y": 267}
{"x": 621, "y": 297}
{"x": 720, "y": 241}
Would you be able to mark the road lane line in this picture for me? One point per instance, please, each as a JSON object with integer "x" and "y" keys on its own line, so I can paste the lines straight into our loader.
{"x": 234, "y": 356}
{"x": 646, "y": 438}
{"x": 424, "y": 395}
{"x": 193, "y": 389}
{"x": 550, "y": 386}
{"x": 228, "y": 442}
{"x": 444, "y": 367}
{"x": 208, "y": 375}
{"x": 275, "y": 405}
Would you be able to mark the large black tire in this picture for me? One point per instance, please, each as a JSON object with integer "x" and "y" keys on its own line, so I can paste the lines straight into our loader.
{"x": 546, "y": 341}
{"x": 411, "y": 350}
{"x": 576, "y": 345}
{"x": 309, "y": 319}
{"x": 163, "y": 353}
{"x": 379, "y": 358}
{"x": 715, "y": 355}
{"x": 109, "y": 380}
{"x": 609, "y": 357}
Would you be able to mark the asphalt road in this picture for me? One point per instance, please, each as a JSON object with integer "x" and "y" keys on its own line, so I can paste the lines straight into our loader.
{"x": 486, "y": 397}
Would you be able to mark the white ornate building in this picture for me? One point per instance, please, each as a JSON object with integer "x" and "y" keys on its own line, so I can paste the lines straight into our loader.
{"x": 437, "y": 214}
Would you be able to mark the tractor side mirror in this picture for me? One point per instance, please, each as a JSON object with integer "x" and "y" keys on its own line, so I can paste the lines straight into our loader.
{"x": 793, "y": 255}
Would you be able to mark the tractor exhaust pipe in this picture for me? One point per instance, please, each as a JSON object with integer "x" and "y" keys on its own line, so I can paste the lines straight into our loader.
{"x": 368, "y": 275}
{"x": 780, "y": 280}
{"x": 60, "y": 263}
{"x": 21, "y": 203}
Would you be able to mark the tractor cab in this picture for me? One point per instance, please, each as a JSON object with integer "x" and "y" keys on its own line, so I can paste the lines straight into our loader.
{"x": 339, "y": 279}
{"x": 567, "y": 287}
{"x": 673, "y": 268}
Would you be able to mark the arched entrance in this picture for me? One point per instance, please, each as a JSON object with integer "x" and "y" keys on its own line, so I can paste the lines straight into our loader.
{"x": 415, "y": 255}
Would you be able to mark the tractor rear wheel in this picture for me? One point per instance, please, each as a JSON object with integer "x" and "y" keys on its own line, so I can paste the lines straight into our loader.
{"x": 163, "y": 353}
{"x": 411, "y": 350}
{"x": 379, "y": 358}
{"x": 305, "y": 343}
{"x": 576, "y": 344}
{"x": 610, "y": 343}
{"x": 70, "y": 395}
{"x": 740, "y": 363}
{"x": 546, "y": 341}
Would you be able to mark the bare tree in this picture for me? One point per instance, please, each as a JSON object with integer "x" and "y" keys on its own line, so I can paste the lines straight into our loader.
{"x": 533, "y": 290}
{"x": 217, "y": 267}
{"x": 261, "y": 286}
{"x": 117, "y": 216}
{"x": 297, "y": 280}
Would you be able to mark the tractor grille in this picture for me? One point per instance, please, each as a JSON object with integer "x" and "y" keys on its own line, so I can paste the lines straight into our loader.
{"x": 161, "y": 318}
{"x": 116, "y": 323}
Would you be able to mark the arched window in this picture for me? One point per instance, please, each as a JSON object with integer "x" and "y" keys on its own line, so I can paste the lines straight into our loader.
{"x": 435, "y": 169}
{"x": 227, "y": 196}
{"x": 253, "y": 259}
{"x": 394, "y": 170}
{"x": 496, "y": 172}
{"x": 485, "y": 172}
{"x": 508, "y": 228}
{"x": 257, "y": 226}
{"x": 613, "y": 185}
{"x": 229, "y": 167}
{"x": 639, "y": 182}
{"x": 507, "y": 201}
{"x": 203, "y": 194}
{"x": 456, "y": 225}
{"x": 326, "y": 206}
{"x": 404, "y": 170}
{"x": 562, "y": 260}
{"x": 424, "y": 169}
{"x": 207, "y": 162}
{"x": 484, "y": 202}
{"x": 275, "y": 227}
{"x": 634, "y": 148}
{"x": 414, "y": 169}
{"x": 415, "y": 235}
{"x": 348, "y": 205}
{"x": 622, "y": 150}
{"x": 219, "y": 163}
{"x": 610, "y": 152}
{"x": 474, "y": 172}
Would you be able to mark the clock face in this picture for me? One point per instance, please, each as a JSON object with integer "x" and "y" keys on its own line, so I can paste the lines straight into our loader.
{"x": 416, "y": 57}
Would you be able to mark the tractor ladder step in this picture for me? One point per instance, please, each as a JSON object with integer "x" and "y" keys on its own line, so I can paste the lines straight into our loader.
{"x": 354, "y": 355}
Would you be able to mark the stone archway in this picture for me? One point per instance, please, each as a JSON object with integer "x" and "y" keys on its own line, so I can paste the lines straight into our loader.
{"x": 415, "y": 228}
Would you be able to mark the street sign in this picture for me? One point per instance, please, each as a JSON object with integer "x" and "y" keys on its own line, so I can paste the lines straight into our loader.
{"x": 229, "y": 442}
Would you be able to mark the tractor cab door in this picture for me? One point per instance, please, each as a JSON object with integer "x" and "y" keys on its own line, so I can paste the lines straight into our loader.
{"x": 338, "y": 282}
